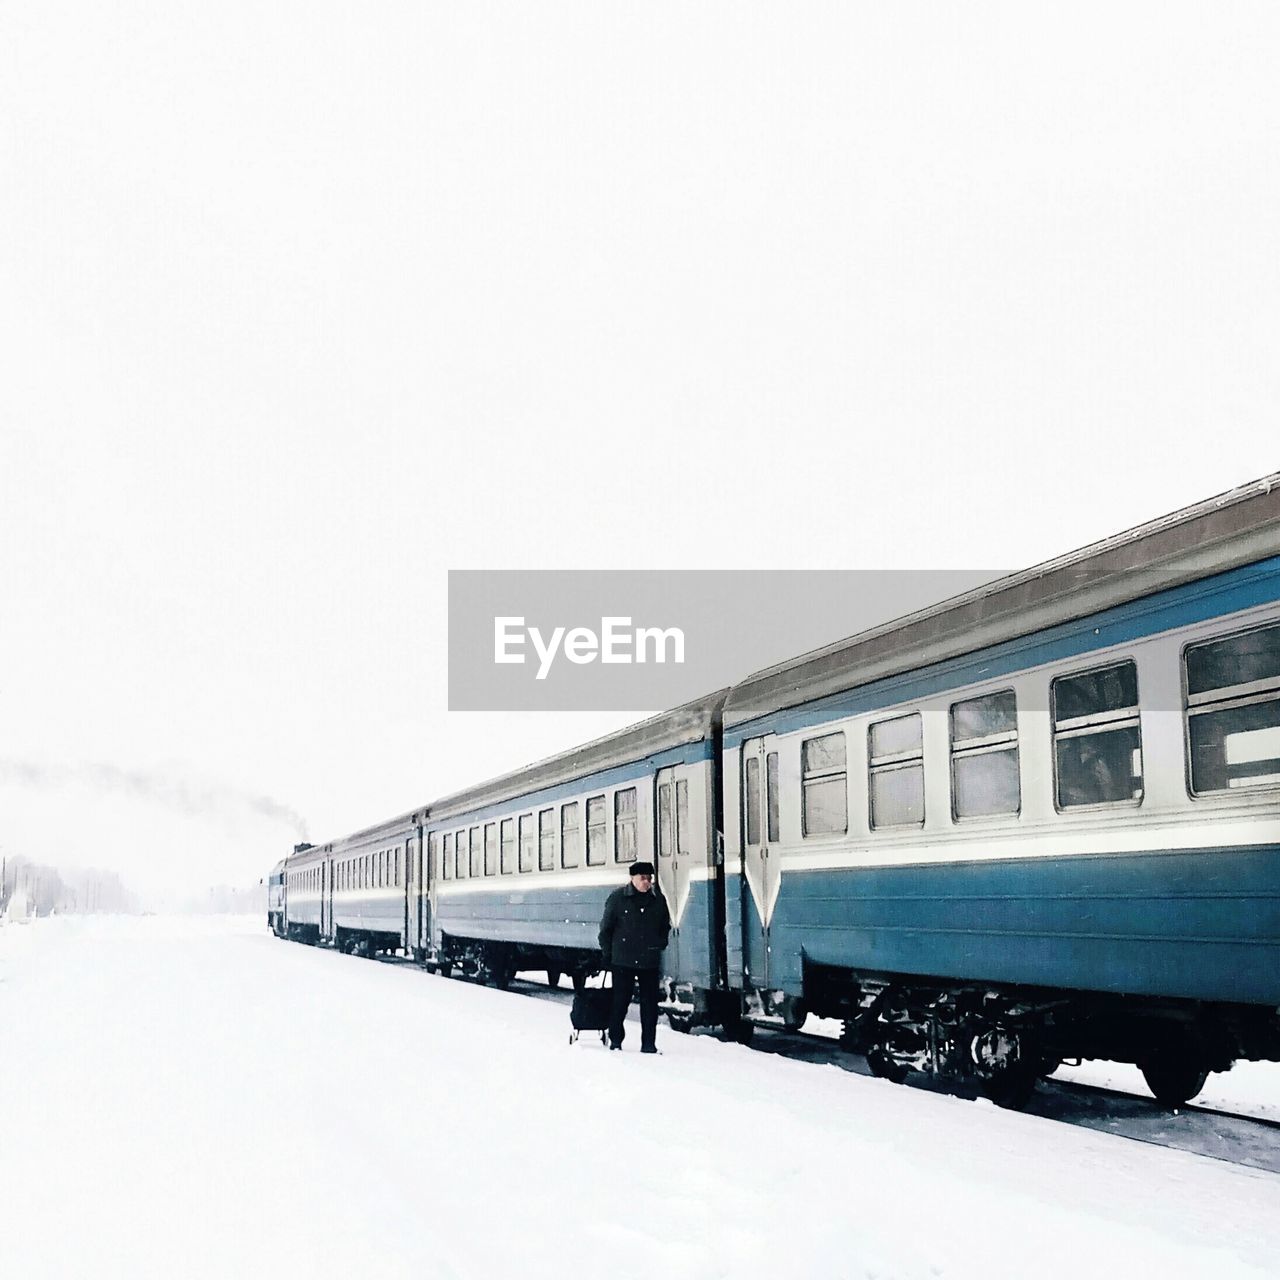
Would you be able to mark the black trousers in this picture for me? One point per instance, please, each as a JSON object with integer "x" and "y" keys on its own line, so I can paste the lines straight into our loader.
{"x": 624, "y": 983}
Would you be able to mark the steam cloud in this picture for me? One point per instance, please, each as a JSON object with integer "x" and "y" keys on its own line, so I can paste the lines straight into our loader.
{"x": 197, "y": 799}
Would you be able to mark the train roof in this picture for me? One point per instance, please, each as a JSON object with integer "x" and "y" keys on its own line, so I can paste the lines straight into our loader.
{"x": 389, "y": 829}
{"x": 692, "y": 722}
{"x": 1232, "y": 529}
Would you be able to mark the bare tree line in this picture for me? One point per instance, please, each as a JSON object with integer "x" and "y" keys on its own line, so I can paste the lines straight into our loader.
{"x": 33, "y": 889}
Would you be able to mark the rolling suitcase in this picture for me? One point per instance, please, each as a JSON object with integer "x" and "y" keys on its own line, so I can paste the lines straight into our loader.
{"x": 592, "y": 1007}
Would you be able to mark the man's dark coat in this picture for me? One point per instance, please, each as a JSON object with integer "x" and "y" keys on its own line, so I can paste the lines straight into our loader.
{"x": 634, "y": 928}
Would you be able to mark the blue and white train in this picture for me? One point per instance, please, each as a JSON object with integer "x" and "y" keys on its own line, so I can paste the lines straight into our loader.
{"x": 1038, "y": 822}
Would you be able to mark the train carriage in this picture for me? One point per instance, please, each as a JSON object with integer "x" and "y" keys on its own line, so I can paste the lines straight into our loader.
{"x": 371, "y": 899}
{"x": 520, "y": 866}
{"x": 275, "y": 900}
{"x": 305, "y": 874}
{"x": 1038, "y": 821}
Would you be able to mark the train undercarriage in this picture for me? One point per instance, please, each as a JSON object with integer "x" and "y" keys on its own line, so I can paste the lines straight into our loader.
{"x": 496, "y": 963}
{"x": 1005, "y": 1039}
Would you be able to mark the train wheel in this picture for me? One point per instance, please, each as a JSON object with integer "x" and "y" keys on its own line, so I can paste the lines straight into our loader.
{"x": 1174, "y": 1080}
{"x": 1012, "y": 1088}
{"x": 883, "y": 1067}
{"x": 795, "y": 1015}
{"x": 681, "y": 1022}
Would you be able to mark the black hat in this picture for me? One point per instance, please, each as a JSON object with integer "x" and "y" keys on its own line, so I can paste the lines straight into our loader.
{"x": 641, "y": 869}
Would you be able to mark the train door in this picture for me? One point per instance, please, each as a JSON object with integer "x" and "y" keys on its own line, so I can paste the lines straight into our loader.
{"x": 326, "y": 899}
{"x": 675, "y": 857}
{"x": 408, "y": 890}
{"x": 426, "y": 875}
{"x": 760, "y": 865}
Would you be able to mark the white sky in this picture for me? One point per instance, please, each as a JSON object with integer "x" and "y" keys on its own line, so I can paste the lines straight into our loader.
{"x": 302, "y": 305}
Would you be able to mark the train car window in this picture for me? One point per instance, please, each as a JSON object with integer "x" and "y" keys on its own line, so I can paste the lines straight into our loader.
{"x": 396, "y": 881}
{"x": 491, "y": 848}
{"x": 597, "y": 832}
{"x": 771, "y": 788}
{"x": 446, "y": 856}
{"x": 682, "y": 815}
{"x": 570, "y": 835}
{"x": 666, "y": 840}
{"x": 984, "y": 756}
{"x": 475, "y": 853}
{"x": 624, "y": 825}
{"x": 1233, "y": 711}
{"x": 528, "y": 842}
{"x": 895, "y": 750}
{"x": 752, "y": 784}
{"x": 460, "y": 855}
{"x": 1097, "y": 738}
{"x": 823, "y": 790}
{"x": 546, "y": 840}
{"x": 508, "y": 846}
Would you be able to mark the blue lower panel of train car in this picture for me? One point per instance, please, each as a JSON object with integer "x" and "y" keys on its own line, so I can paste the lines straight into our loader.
{"x": 691, "y": 954}
{"x": 737, "y": 899}
{"x": 1196, "y": 924}
{"x": 571, "y": 918}
{"x": 550, "y": 918}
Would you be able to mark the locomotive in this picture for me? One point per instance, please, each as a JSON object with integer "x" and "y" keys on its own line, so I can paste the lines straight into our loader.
{"x": 1036, "y": 822}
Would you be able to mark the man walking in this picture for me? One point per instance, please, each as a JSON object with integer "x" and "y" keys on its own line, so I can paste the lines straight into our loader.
{"x": 633, "y": 936}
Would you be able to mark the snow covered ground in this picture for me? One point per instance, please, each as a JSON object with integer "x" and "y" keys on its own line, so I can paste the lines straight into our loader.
{"x": 195, "y": 1098}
